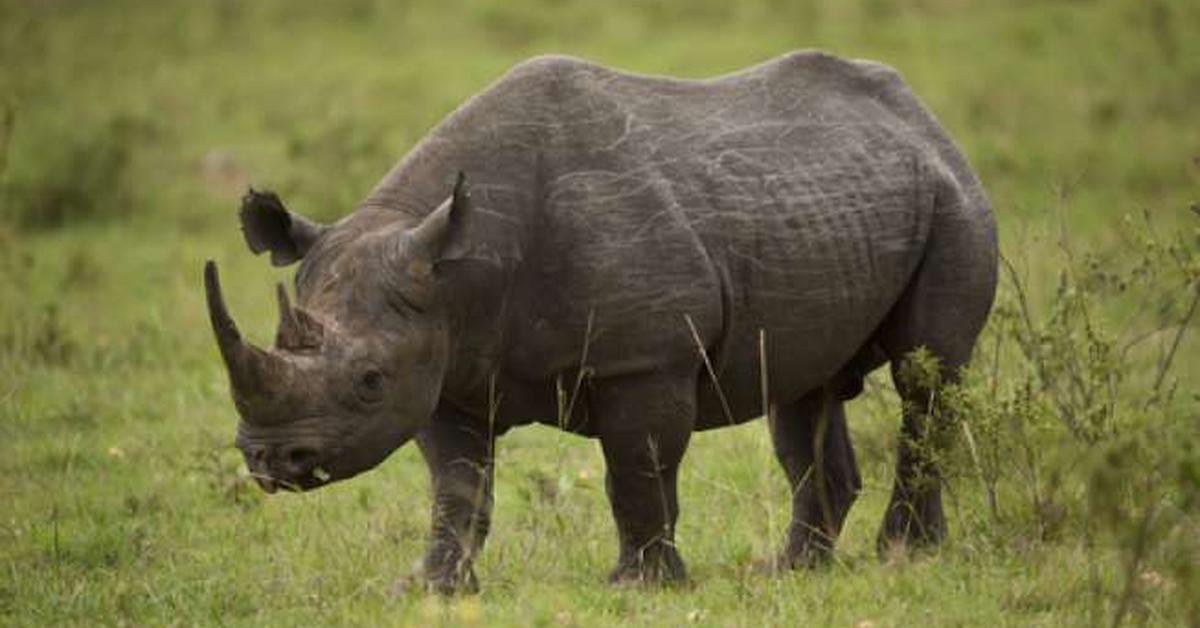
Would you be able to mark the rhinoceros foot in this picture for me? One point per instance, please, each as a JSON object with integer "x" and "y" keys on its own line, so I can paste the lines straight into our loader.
{"x": 443, "y": 582}
{"x": 658, "y": 563}
{"x": 911, "y": 525}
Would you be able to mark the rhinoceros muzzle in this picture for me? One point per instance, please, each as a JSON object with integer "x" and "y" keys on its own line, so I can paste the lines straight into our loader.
{"x": 256, "y": 377}
{"x": 293, "y": 466}
{"x": 296, "y": 462}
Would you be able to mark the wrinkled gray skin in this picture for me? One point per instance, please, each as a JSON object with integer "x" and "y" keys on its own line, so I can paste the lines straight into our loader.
{"x": 616, "y": 222}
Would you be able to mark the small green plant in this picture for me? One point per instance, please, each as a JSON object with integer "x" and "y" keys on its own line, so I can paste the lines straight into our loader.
{"x": 223, "y": 474}
{"x": 39, "y": 337}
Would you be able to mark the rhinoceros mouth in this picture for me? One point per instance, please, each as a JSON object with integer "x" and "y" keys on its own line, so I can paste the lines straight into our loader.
{"x": 265, "y": 482}
{"x": 273, "y": 474}
{"x": 271, "y": 484}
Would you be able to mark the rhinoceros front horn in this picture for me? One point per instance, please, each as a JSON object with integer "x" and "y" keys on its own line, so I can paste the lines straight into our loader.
{"x": 248, "y": 365}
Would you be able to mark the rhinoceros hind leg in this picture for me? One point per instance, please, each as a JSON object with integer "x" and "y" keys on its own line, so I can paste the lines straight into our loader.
{"x": 813, "y": 445}
{"x": 914, "y": 517}
{"x": 644, "y": 425}
{"x": 941, "y": 312}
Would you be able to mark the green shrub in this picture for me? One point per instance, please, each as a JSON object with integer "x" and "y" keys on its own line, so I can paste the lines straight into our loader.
{"x": 67, "y": 174}
{"x": 1074, "y": 419}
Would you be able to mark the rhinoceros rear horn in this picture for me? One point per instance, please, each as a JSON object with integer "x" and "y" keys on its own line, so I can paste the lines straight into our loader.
{"x": 298, "y": 330}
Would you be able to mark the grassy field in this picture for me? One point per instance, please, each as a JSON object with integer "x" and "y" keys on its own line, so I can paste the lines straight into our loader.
{"x": 128, "y": 130}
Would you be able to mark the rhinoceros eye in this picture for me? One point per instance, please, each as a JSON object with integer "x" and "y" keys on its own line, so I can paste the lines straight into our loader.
{"x": 370, "y": 386}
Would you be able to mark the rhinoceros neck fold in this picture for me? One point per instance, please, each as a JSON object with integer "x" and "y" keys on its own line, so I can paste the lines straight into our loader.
{"x": 475, "y": 295}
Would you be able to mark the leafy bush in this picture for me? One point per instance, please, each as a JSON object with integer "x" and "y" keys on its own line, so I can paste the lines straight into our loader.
{"x": 1073, "y": 416}
{"x": 60, "y": 176}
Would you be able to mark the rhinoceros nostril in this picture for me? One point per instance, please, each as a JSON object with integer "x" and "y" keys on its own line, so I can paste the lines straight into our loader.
{"x": 300, "y": 458}
{"x": 256, "y": 454}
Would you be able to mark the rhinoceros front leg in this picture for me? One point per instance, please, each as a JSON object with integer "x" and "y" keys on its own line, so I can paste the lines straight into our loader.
{"x": 812, "y": 443}
{"x": 644, "y": 425}
{"x": 458, "y": 450}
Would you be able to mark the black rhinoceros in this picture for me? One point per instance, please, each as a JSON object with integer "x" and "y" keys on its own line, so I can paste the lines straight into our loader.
{"x": 641, "y": 257}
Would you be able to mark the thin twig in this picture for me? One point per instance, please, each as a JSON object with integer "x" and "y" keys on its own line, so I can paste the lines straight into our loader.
{"x": 1142, "y": 337}
{"x": 1030, "y": 348}
{"x": 987, "y": 486}
{"x": 818, "y": 466}
{"x": 584, "y": 370}
{"x": 765, "y": 391}
{"x": 7, "y": 122}
{"x": 995, "y": 383}
{"x": 652, "y": 447}
{"x": 1141, "y": 545}
{"x": 485, "y": 475}
{"x": 712, "y": 374}
{"x": 1022, "y": 300}
{"x": 762, "y": 372}
{"x": 1187, "y": 319}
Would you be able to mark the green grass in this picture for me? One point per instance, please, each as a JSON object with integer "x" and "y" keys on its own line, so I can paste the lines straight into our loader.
{"x": 134, "y": 127}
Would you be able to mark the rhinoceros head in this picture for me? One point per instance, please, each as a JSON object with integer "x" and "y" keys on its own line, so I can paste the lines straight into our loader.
{"x": 357, "y": 366}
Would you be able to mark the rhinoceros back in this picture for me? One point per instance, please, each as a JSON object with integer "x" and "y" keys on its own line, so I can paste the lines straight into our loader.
{"x": 793, "y": 199}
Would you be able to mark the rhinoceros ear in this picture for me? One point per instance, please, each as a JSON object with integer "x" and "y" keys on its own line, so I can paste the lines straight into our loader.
{"x": 269, "y": 226}
{"x": 442, "y": 230}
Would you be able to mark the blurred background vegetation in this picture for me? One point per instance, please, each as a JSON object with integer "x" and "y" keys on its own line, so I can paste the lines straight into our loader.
{"x": 128, "y": 130}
